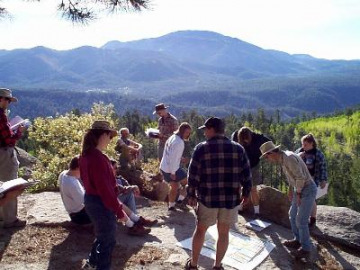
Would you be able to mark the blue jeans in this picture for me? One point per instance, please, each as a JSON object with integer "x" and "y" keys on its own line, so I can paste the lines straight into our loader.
{"x": 299, "y": 216}
{"x": 104, "y": 222}
{"x": 129, "y": 200}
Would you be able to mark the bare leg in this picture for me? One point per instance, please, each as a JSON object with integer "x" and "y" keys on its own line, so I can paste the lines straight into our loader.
{"x": 197, "y": 243}
{"x": 174, "y": 186}
{"x": 255, "y": 196}
{"x": 183, "y": 189}
{"x": 222, "y": 243}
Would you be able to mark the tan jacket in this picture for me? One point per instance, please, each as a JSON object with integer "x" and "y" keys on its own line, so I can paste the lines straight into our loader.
{"x": 296, "y": 172}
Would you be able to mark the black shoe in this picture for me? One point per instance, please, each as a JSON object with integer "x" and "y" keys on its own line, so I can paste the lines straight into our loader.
{"x": 295, "y": 244}
{"x": 172, "y": 208}
{"x": 300, "y": 254}
{"x": 312, "y": 222}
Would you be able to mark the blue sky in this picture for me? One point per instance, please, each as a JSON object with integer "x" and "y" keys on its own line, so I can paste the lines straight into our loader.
{"x": 322, "y": 28}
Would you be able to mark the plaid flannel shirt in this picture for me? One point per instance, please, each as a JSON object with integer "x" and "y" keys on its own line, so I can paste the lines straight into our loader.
{"x": 7, "y": 137}
{"x": 167, "y": 126}
{"x": 320, "y": 170}
{"x": 217, "y": 170}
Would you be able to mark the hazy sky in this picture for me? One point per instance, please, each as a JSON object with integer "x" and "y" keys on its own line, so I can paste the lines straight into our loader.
{"x": 322, "y": 28}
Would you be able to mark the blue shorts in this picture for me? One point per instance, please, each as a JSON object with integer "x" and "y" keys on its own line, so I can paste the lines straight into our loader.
{"x": 180, "y": 175}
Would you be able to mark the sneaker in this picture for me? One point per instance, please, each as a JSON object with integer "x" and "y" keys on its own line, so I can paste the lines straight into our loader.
{"x": 86, "y": 265}
{"x": 16, "y": 224}
{"x": 188, "y": 265}
{"x": 138, "y": 230}
{"x": 182, "y": 206}
{"x": 172, "y": 208}
{"x": 146, "y": 222}
{"x": 295, "y": 244}
{"x": 312, "y": 222}
{"x": 300, "y": 254}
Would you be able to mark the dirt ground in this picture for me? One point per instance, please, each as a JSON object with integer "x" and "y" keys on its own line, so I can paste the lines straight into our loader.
{"x": 50, "y": 241}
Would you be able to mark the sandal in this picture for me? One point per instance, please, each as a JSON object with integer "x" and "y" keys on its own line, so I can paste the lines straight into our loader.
{"x": 218, "y": 267}
{"x": 188, "y": 265}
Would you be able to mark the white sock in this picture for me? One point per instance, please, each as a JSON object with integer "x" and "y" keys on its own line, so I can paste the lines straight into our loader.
{"x": 129, "y": 223}
{"x": 181, "y": 197}
{"x": 134, "y": 217}
{"x": 172, "y": 204}
{"x": 256, "y": 209}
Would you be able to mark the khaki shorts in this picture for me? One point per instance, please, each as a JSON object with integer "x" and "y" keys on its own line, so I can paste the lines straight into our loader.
{"x": 208, "y": 216}
{"x": 256, "y": 176}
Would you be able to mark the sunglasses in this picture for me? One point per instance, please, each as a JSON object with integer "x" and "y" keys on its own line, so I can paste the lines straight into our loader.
{"x": 8, "y": 99}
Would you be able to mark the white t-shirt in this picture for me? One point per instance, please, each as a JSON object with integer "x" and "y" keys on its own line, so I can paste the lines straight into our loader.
{"x": 173, "y": 151}
{"x": 72, "y": 192}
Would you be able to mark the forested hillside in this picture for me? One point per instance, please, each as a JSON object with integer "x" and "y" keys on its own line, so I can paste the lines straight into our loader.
{"x": 55, "y": 140}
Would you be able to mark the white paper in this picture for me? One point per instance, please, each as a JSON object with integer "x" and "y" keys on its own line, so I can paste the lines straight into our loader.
{"x": 257, "y": 225}
{"x": 19, "y": 182}
{"x": 244, "y": 252}
{"x": 17, "y": 121}
{"x": 322, "y": 191}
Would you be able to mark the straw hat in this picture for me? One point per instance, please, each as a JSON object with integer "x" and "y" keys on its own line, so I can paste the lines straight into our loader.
{"x": 6, "y": 93}
{"x": 103, "y": 125}
{"x": 267, "y": 148}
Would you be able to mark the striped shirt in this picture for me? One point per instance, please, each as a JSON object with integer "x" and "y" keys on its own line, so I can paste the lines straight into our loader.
{"x": 217, "y": 170}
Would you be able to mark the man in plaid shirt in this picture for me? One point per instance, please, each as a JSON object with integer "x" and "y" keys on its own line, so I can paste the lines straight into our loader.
{"x": 9, "y": 163}
{"x": 167, "y": 125}
{"x": 218, "y": 169}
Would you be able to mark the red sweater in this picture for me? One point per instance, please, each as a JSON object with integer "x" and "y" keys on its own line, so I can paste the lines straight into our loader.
{"x": 98, "y": 178}
{"x": 7, "y": 137}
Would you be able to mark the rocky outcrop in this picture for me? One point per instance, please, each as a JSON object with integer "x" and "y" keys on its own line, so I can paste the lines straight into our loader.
{"x": 274, "y": 205}
{"x": 151, "y": 186}
{"x": 25, "y": 159}
{"x": 338, "y": 224}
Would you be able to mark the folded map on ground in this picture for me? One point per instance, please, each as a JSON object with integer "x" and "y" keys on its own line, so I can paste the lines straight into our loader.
{"x": 15, "y": 184}
{"x": 257, "y": 225}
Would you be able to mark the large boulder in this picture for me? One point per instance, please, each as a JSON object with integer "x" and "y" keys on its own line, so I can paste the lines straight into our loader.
{"x": 25, "y": 159}
{"x": 274, "y": 205}
{"x": 151, "y": 186}
{"x": 338, "y": 224}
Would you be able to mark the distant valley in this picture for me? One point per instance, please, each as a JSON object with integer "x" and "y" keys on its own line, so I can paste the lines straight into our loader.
{"x": 200, "y": 70}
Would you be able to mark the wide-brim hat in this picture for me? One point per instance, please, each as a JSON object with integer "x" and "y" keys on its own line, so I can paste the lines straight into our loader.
{"x": 6, "y": 93}
{"x": 267, "y": 147}
{"x": 103, "y": 125}
{"x": 160, "y": 107}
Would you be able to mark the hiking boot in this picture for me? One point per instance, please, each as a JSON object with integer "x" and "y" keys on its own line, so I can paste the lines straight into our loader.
{"x": 295, "y": 244}
{"x": 146, "y": 222}
{"x": 182, "y": 206}
{"x": 138, "y": 230}
{"x": 221, "y": 267}
{"x": 312, "y": 222}
{"x": 188, "y": 265}
{"x": 300, "y": 254}
{"x": 16, "y": 224}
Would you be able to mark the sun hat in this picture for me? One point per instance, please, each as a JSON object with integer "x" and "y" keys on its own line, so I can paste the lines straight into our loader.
{"x": 160, "y": 107}
{"x": 267, "y": 147}
{"x": 103, "y": 125}
{"x": 213, "y": 122}
{"x": 6, "y": 93}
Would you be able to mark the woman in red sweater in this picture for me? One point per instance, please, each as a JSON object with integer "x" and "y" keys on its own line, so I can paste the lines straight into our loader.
{"x": 101, "y": 194}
